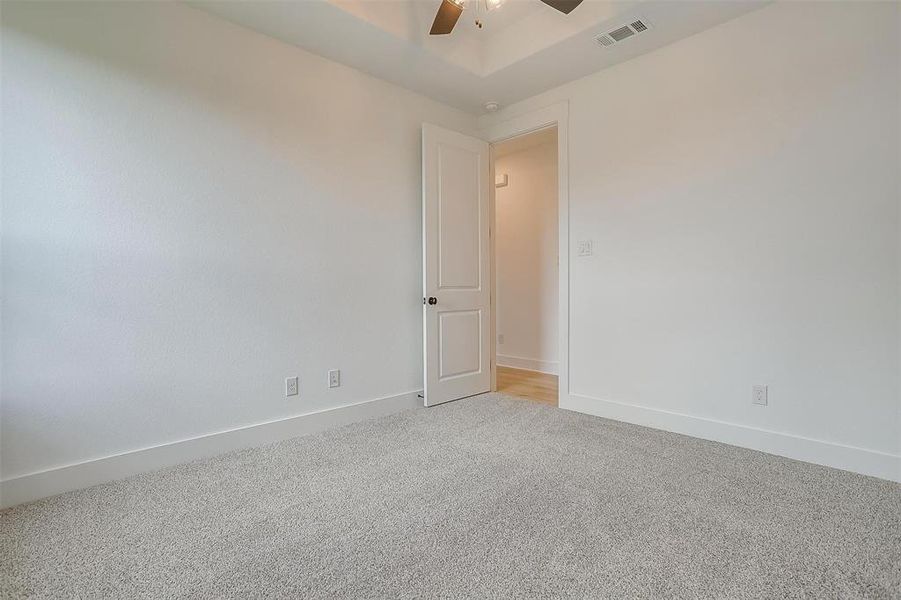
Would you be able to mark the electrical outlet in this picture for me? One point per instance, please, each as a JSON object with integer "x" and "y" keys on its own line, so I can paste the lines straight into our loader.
{"x": 758, "y": 395}
{"x": 584, "y": 248}
{"x": 334, "y": 378}
{"x": 291, "y": 386}
{"x": 500, "y": 338}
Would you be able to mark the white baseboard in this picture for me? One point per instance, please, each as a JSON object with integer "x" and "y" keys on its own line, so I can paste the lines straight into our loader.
{"x": 529, "y": 364}
{"x": 849, "y": 458}
{"x": 93, "y": 472}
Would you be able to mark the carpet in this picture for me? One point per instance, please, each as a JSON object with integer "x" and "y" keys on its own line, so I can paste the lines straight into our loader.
{"x": 488, "y": 497}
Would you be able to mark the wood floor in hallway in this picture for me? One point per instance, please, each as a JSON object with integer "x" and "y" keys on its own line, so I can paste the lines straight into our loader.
{"x": 530, "y": 385}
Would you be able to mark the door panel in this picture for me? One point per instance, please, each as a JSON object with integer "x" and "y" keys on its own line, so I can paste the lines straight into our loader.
{"x": 458, "y": 218}
{"x": 459, "y": 337}
{"x": 455, "y": 265}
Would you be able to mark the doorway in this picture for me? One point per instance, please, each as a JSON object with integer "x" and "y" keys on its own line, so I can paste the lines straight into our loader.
{"x": 458, "y": 261}
{"x": 526, "y": 265}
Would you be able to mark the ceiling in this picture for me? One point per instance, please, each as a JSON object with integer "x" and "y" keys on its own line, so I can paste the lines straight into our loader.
{"x": 524, "y": 47}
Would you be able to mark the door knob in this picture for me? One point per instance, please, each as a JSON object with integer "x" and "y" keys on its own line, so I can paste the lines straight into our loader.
{"x": 433, "y": 300}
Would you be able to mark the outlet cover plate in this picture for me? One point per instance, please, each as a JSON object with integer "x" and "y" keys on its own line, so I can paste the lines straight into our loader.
{"x": 759, "y": 395}
{"x": 334, "y": 378}
{"x": 291, "y": 386}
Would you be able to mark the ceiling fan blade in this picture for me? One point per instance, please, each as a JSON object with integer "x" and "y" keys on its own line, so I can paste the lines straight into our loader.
{"x": 564, "y": 6}
{"x": 446, "y": 18}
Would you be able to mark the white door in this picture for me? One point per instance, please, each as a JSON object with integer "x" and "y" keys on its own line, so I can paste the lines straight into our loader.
{"x": 456, "y": 287}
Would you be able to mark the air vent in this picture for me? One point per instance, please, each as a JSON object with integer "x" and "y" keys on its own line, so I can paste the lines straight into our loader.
{"x": 638, "y": 26}
{"x": 621, "y": 33}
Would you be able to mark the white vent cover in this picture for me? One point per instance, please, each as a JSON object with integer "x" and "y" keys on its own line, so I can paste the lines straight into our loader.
{"x": 621, "y": 33}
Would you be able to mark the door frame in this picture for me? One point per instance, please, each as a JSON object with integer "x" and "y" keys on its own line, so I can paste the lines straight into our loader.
{"x": 549, "y": 116}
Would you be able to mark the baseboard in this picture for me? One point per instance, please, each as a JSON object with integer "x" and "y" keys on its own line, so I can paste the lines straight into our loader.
{"x": 849, "y": 458}
{"x": 93, "y": 472}
{"x": 529, "y": 364}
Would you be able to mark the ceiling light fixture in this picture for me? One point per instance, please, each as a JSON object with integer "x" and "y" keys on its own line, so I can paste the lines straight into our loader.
{"x": 492, "y": 4}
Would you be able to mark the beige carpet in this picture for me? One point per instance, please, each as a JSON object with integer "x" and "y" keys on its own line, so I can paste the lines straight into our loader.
{"x": 483, "y": 498}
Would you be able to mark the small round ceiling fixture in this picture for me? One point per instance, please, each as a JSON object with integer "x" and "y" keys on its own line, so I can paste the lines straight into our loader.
{"x": 492, "y": 106}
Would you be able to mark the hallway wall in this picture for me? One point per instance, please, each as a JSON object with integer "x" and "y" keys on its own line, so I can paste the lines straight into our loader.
{"x": 526, "y": 251}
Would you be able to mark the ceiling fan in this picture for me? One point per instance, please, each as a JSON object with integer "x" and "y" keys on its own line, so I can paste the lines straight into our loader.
{"x": 450, "y": 10}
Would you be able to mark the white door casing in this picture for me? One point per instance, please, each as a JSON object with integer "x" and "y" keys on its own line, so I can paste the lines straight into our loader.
{"x": 456, "y": 284}
{"x": 521, "y": 124}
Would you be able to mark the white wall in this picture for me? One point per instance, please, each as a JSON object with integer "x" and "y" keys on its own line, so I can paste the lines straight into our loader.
{"x": 191, "y": 213}
{"x": 741, "y": 188}
{"x": 526, "y": 258}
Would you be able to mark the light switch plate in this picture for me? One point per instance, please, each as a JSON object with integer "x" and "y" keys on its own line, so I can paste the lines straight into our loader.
{"x": 584, "y": 248}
